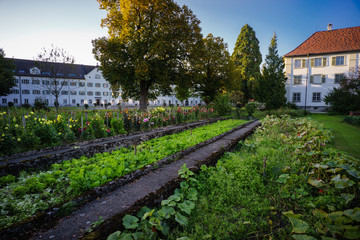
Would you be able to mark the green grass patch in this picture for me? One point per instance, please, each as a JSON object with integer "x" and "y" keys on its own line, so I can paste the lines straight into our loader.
{"x": 346, "y": 136}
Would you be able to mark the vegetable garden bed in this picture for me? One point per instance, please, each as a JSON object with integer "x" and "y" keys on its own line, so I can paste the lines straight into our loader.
{"x": 41, "y": 159}
{"x": 84, "y": 178}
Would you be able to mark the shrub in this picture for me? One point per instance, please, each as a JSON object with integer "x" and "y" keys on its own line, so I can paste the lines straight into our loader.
{"x": 223, "y": 104}
{"x": 86, "y": 106}
{"x": 40, "y": 104}
{"x": 250, "y": 108}
{"x": 26, "y": 105}
{"x": 354, "y": 120}
{"x": 10, "y": 104}
{"x": 117, "y": 124}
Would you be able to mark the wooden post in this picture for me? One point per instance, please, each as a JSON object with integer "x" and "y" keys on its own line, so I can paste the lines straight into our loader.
{"x": 86, "y": 116}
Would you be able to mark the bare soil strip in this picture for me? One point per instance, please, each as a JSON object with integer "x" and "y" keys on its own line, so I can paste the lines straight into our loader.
{"x": 148, "y": 190}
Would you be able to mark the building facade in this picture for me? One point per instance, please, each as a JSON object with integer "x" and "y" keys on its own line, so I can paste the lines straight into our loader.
{"x": 316, "y": 66}
{"x": 77, "y": 85}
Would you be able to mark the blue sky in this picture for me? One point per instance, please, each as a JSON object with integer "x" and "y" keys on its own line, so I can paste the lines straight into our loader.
{"x": 27, "y": 26}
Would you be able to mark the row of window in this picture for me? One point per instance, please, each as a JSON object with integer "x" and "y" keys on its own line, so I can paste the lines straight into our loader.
{"x": 320, "y": 62}
{"x": 64, "y": 83}
{"x": 47, "y": 92}
{"x": 73, "y": 101}
{"x": 316, "y": 97}
{"x": 318, "y": 78}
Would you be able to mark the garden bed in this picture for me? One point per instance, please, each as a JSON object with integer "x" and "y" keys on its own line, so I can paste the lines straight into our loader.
{"x": 53, "y": 213}
{"x": 41, "y": 159}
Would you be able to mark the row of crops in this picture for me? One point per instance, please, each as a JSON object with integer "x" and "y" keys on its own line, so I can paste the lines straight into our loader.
{"x": 22, "y": 130}
{"x": 285, "y": 182}
{"x": 25, "y": 195}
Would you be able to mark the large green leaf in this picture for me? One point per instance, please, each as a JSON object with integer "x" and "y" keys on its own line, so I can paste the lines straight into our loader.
{"x": 299, "y": 226}
{"x": 352, "y": 232}
{"x": 354, "y": 214}
{"x": 186, "y": 206}
{"x": 114, "y": 236}
{"x": 166, "y": 212}
{"x": 315, "y": 182}
{"x": 182, "y": 220}
{"x": 348, "y": 197}
{"x": 130, "y": 222}
{"x": 303, "y": 237}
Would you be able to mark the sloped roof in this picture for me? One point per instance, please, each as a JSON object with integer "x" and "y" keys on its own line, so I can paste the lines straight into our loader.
{"x": 48, "y": 69}
{"x": 331, "y": 41}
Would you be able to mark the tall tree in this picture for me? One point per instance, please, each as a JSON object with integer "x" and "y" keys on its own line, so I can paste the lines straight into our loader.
{"x": 7, "y": 80}
{"x": 247, "y": 59}
{"x": 271, "y": 86}
{"x": 212, "y": 68}
{"x": 55, "y": 63}
{"x": 149, "y": 47}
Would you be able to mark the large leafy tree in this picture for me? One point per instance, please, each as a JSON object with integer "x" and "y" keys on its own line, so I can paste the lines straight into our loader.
{"x": 7, "y": 68}
{"x": 212, "y": 69}
{"x": 149, "y": 47}
{"x": 247, "y": 59}
{"x": 55, "y": 63}
{"x": 270, "y": 89}
{"x": 346, "y": 97}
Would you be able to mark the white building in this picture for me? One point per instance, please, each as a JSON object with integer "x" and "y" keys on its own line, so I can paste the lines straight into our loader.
{"x": 316, "y": 66}
{"x": 80, "y": 84}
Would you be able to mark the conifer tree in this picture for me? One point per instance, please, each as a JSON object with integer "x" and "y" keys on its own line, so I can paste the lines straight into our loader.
{"x": 6, "y": 74}
{"x": 271, "y": 86}
{"x": 247, "y": 59}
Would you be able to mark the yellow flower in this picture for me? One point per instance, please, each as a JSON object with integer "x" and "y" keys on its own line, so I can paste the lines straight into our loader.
{"x": 31, "y": 112}
{"x": 26, "y": 117}
{"x": 6, "y": 128}
{"x": 19, "y": 139}
{"x": 70, "y": 126}
{"x": 3, "y": 135}
{"x": 16, "y": 125}
{"x": 59, "y": 133}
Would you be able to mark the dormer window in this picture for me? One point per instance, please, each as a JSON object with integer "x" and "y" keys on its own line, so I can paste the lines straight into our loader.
{"x": 97, "y": 76}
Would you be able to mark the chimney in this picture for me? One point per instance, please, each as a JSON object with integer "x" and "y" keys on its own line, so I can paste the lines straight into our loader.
{"x": 329, "y": 27}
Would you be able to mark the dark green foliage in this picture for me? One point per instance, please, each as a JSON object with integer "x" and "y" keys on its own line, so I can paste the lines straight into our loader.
{"x": 250, "y": 108}
{"x": 354, "y": 120}
{"x": 6, "y": 74}
{"x": 271, "y": 86}
{"x": 345, "y": 98}
{"x": 223, "y": 104}
{"x": 10, "y": 104}
{"x": 247, "y": 59}
{"x": 117, "y": 125}
{"x": 40, "y": 104}
{"x": 212, "y": 69}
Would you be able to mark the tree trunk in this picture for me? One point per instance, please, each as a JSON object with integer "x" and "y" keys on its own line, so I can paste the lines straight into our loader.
{"x": 143, "y": 96}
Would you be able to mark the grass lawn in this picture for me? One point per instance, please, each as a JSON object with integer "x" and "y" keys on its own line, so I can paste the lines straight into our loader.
{"x": 346, "y": 136}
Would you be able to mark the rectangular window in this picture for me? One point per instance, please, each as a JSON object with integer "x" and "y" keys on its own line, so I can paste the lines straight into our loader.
{"x": 316, "y": 97}
{"x": 65, "y": 101}
{"x": 73, "y": 84}
{"x": 36, "y": 92}
{"x": 16, "y": 81}
{"x": 97, "y": 93}
{"x": 73, "y": 101}
{"x": 81, "y": 92}
{"x": 298, "y": 63}
{"x": 46, "y": 92}
{"x": 81, "y": 84}
{"x": 25, "y": 81}
{"x": 297, "y": 79}
{"x": 26, "y": 91}
{"x": 45, "y": 82}
{"x": 97, "y": 76}
{"x": 64, "y": 83}
{"x": 26, "y": 100}
{"x": 14, "y": 91}
{"x": 97, "y": 84}
{"x": 82, "y": 101}
{"x": 64, "y": 93}
{"x": 105, "y": 85}
{"x": 90, "y": 101}
{"x": 317, "y": 62}
{"x": 338, "y": 61}
{"x": 90, "y": 93}
{"x": 296, "y": 97}
{"x": 89, "y": 84}
{"x": 4, "y": 100}
{"x": 339, "y": 77}
{"x": 317, "y": 79}
{"x": 105, "y": 94}
{"x": 35, "y": 82}
{"x": 47, "y": 101}
{"x": 16, "y": 100}
{"x": 73, "y": 92}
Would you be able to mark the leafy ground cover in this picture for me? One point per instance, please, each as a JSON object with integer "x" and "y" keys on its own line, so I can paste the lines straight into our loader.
{"x": 346, "y": 136}
{"x": 22, "y": 130}
{"x": 284, "y": 182}
{"x": 30, "y": 192}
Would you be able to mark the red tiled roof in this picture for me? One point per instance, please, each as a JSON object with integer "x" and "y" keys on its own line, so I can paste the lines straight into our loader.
{"x": 331, "y": 41}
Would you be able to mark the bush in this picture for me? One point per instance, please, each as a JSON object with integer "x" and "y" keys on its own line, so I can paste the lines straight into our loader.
{"x": 26, "y": 105}
{"x": 117, "y": 125}
{"x": 250, "y": 108}
{"x": 354, "y": 120}
{"x": 10, "y": 104}
{"x": 86, "y": 106}
{"x": 40, "y": 104}
{"x": 223, "y": 104}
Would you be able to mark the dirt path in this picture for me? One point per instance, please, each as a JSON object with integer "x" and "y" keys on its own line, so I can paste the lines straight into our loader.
{"x": 154, "y": 186}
